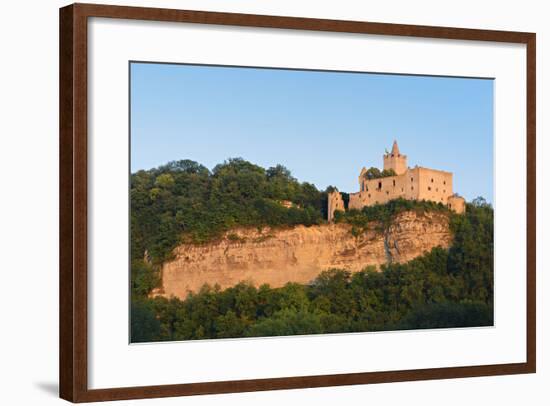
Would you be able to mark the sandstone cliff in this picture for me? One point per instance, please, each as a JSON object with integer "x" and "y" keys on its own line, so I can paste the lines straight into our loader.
{"x": 299, "y": 254}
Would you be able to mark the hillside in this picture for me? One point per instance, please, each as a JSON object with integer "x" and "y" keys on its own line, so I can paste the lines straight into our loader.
{"x": 299, "y": 254}
{"x": 243, "y": 251}
{"x": 184, "y": 201}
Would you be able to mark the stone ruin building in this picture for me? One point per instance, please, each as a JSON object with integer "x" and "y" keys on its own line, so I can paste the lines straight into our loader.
{"x": 416, "y": 183}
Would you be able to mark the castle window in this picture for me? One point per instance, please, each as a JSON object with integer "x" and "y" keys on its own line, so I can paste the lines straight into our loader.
{"x": 444, "y": 183}
{"x": 387, "y": 192}
{"x": 394, "y": 182}
{"x": 411, "y": 179}
{"x": 444, "y": 190}
{"x": 369, "y": 195}
{"x": 412, "y": 187}
{"x": 402, "y": 190}
{"x": 380, "y": 185}
{"x": 429, "y": 188}
{"x": 432, "y": 180}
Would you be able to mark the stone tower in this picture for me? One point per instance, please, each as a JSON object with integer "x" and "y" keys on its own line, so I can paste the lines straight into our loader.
{"x": 395, "y": 160}
{"x": 335, "y": 202}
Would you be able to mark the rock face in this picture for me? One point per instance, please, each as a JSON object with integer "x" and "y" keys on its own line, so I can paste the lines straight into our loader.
{"x": 299, "y": 254}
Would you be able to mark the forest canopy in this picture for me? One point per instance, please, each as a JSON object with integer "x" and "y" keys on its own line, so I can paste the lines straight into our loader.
{"x": 183, "y": 201}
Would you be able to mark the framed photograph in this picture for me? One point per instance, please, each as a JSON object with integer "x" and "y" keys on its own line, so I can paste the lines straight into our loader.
{"x": 255, "y": 202}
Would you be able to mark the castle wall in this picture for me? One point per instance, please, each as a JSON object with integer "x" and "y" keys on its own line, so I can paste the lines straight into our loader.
{"x": 415, "y": 184}
{"x": 382, "y": 190}
{"x": 435, "y": 186}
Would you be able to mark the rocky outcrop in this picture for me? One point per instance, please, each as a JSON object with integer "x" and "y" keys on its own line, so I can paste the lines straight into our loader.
{"x": 300, "y": 253}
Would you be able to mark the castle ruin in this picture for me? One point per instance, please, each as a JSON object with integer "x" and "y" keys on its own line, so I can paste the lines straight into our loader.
{"x": 416, "y": 183}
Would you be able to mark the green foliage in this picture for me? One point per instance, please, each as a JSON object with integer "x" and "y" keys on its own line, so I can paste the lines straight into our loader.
{"x": 446, "y": 315}
{"x": 164, "y": 181}
{"x": 287, "y": 322}
{"x": 144, "y": 277}
{"x": 144, "y": 324}
{"x": 441, "y": 289}
{"x": 381, "y": 215}
{"x": 375, "y": 173}
{"x": 472, "y": 251}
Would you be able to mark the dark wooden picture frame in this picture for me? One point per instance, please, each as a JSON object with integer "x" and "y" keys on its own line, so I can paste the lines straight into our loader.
{"x": 73, "y": 201}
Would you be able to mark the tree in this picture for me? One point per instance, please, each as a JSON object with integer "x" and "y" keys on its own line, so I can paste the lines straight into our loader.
{"x": 287, "y": 322}
{"x": 186, "y": 166}
{"x": 144, "y": 325}
{"x": 375, "y": 173}
{"x": 165, "y": 181}
{"x": 279, "y": 171}
{"x": 229, "y": 325}
{"x": 144, "y": 278}
{"x": 480, "y": 202}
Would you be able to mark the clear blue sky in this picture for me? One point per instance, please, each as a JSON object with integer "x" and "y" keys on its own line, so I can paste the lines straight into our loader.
{"x": 323, "y": 126}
